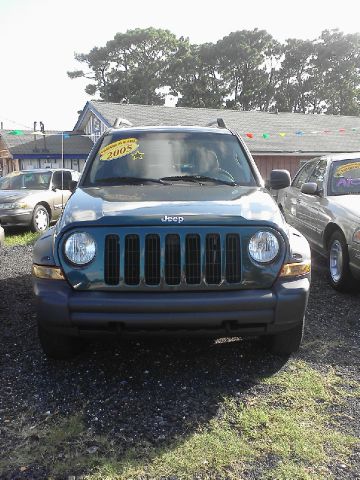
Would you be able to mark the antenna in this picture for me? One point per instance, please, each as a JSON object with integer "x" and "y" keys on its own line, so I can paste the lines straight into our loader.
{"x": 35, "y": 149}
{"x": 42, "y": 129}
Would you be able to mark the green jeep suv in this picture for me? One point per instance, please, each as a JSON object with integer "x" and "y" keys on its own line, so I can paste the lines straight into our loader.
{"x": 170, "y": 230}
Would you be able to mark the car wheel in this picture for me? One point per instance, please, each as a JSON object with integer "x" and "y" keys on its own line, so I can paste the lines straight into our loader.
{"x": 40, "y": 220}
{"x": 59, "y": 347}
{"x": 285, "y": 343}
{"x": 339, "y": 274}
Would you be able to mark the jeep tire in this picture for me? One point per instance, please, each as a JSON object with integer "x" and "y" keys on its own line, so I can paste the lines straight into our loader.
{"x": 285, "y": 343}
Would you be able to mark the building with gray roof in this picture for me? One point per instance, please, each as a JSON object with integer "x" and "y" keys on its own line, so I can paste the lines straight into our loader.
{"x": 22, "y": 149}
{"x": 276, "y": 140}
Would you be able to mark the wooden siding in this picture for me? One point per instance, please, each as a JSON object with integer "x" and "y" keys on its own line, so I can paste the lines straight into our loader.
{"x": 7, "y": 163}
{"x": 266, "y": 163}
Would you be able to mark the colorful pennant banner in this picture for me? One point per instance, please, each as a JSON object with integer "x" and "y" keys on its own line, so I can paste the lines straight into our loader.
{"x": 16, "y": 132}
{"x": 301, "y": 133}
{"x": 44, "y": 134}
{"x": 251, "y": 135}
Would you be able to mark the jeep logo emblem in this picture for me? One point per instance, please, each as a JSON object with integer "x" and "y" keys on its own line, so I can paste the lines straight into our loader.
{"x": 168, "y": 219}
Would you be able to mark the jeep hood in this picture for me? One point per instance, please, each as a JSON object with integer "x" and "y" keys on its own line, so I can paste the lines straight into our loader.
{"x": 148, "y": 204}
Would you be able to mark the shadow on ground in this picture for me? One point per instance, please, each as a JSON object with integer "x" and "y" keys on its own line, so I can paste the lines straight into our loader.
{"x": 154, "y": 390}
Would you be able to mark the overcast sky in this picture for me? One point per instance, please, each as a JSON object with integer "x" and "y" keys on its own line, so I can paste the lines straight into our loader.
{"x": 38, "y": 39}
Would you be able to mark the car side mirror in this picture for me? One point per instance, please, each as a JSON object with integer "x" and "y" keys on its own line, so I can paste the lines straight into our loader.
{"x": 310, "y": 188}
{"x": 279, "y": 179}
{"x": 73, "y": 185}
{"x": 56, "y": 186}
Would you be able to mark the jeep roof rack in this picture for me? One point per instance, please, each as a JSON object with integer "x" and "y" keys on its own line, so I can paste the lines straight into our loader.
{"x": 121, "y": 123}
{"x": 219, "y": 122}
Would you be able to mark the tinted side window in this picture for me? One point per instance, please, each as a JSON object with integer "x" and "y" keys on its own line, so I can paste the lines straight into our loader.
{"x": 318, "y": 174}
{"x": 303, "y": 174}
{"x": 62, "y": 178}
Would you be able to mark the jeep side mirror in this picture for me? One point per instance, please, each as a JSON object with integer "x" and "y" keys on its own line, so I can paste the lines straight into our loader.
{"x": 310, "y": 188}
{"x": 279, "y": 179}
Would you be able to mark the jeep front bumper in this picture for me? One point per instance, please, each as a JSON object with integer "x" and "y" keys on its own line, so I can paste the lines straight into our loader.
{"x": 224, "y": 313}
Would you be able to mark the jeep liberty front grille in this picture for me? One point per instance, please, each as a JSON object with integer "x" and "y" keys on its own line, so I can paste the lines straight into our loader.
{"x": 172, "y": 259}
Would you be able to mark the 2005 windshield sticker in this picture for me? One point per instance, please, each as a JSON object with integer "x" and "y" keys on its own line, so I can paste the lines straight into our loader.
{"x": 121, "y": 148}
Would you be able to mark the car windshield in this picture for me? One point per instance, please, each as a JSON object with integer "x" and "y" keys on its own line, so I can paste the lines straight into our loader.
{"x": 344, "y": 178}
{"x": 172, "y": 157}
{"x": 26, "y": 181}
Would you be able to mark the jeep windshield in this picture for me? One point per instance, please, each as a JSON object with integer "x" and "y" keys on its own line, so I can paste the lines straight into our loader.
{"x": 169, "y": 157}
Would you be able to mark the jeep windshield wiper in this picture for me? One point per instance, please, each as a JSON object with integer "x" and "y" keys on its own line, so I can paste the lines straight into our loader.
{"x": 129, "y": 180}
{"x": 199, "y": 179}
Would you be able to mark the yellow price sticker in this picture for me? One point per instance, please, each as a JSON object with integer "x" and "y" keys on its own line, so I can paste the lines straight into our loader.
{"x": 347, "y": 168}
{"x": 119, "y": 149}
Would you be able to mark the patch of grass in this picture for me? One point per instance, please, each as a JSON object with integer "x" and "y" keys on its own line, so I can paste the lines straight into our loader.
{"x": 57, "y": 445}
{"x": 322, "y": 346}
{"x": 284, "y": 432}
{"x": 289, "y": 423}
{"x": 290, "y": 471}
{"x": 24, "y": 238}
{"x": 209, "y": 451}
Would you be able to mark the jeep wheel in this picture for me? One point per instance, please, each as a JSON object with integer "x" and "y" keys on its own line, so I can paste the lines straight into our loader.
{"x": 339, "y": 274}
{"x": 285, "y": 343}
{"x": 59, "y": 347}
{"x": 40, "y": 220}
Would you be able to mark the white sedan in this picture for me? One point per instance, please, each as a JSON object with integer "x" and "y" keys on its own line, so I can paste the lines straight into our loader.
{"x": 323, "y": 203}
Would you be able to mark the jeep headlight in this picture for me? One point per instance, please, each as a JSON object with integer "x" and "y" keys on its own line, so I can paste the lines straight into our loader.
{"x": 80, "y": 248}
{"x": 263, "y": 247}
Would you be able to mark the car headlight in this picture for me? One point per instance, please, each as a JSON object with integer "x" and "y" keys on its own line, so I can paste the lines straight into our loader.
{"x": 11, "y": 206}
{"x": 80, "y": 248}
{"x": 263, "y": 247}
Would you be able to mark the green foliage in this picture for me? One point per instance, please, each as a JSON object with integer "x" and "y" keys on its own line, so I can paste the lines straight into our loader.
{"x": 195, "y": 78}
{"x": 321, "y": 76}
{"x": 246, "y": 70}
{"x": 244, "y": 58}
{"x": 338, "y": 60}
{"x": 131, "y": 67}
{"x": 293, "y": 93}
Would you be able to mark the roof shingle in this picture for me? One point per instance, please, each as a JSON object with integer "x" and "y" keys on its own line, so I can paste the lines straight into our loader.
{"x": 25, "y": 143}
{"x": 287, "y": 132}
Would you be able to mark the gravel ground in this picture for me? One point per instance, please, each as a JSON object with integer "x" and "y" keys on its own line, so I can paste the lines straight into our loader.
{"x": 154, "y": 390}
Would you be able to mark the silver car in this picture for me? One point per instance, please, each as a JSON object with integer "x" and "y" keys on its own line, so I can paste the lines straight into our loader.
{"x": 34, "y": 198}
{"x": 323, "y": 203}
